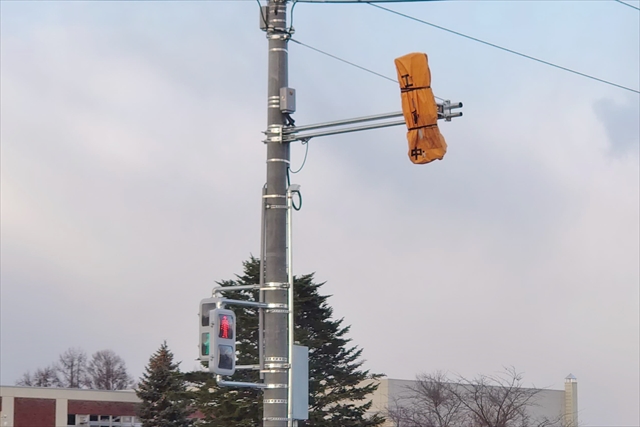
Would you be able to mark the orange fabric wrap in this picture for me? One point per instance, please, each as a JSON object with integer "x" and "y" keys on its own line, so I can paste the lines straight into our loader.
{"x": 419, "y": 108}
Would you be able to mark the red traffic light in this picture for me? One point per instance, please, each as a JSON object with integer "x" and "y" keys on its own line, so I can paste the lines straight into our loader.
{"x": 226, "y": 327}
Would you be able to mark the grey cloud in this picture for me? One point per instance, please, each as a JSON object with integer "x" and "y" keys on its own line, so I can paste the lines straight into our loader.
{"x": 622, "y": 123}
{"x": 131, "y": 171}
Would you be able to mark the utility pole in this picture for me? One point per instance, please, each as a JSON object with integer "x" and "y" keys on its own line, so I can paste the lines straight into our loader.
{"x": 285, "y": 395}
{"x": 276, "y": 361}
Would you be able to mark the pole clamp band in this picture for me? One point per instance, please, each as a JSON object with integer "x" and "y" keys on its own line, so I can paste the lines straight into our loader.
{"x": 276, "y": 305}
{"x": 277, "y": 386}
{"x": 277, "y": 366}
{"x": 278, "y": 36}
{"x": 275, "y": 288}
{"x": 273, "y": 371}
{"x": 274, "y": 285}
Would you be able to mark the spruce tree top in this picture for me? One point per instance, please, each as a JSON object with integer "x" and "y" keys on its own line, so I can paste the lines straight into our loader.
{"x": 162, "y": 389}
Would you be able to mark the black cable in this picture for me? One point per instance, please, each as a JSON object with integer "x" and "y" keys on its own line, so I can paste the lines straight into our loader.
{"x": 350, "y": 63}
{"x": 293, "y": 6}
{"x": 299, "y": 198}
{"x": 296, "y": 191}
{"x": 293, "y": 205}
{"x": 264, "y": 18}
{"x": 504, "y": 48}
{"x": 624, "y": 3}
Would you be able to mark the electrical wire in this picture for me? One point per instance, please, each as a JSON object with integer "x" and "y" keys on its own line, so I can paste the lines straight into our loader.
{"x": 295, "y": 191}
{"x": 619, "y": 1}
{"x": 343, "y": 60}
{"x": 504, "y": 48}
{"x": 127, "y": 1}
{"x": 293, "y": 6}
{"x": 293, "y": 205}
{"x": 306, "y": 151}
{"x": 365, "y": 1}
{"x": 349, "y": 62}
{"x": 264, "y": 18}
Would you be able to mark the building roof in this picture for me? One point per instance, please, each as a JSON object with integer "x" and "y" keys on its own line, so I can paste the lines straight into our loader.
{"x": 70, "y": 393}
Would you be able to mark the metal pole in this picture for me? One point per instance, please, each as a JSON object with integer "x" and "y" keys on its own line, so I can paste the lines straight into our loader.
{"x": 290, "y": 304}
{"x": 261, "y": 292}
{"x": 275, "y": 320}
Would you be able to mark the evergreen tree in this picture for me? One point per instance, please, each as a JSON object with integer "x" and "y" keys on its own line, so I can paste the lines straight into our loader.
{"x": 163, "y": 393}
{"x": 336, "y": 397}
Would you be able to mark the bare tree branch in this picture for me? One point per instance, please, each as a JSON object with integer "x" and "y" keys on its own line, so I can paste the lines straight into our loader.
{"x": 498, "y": 400}
{"x": 107, "y": 371}
{"x": 72, "y": 368}
{"x": 45, "y": 377}
{"x": 428, "y": 403}
{"x": 26, "y": 380}
{"x": 485, "y": 401}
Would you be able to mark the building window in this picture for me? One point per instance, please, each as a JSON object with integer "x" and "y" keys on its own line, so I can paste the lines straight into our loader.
{"x": 71, "y": 419}
{"x": 105, "y": 421}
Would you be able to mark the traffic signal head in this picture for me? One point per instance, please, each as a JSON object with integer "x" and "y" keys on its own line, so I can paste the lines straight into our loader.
{"x": 206, "y": 305}
{"x": 419, "y": 109}
{"x": 222, "y": 350}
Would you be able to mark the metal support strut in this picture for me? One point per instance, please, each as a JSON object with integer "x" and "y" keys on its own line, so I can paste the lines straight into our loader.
{"x": 290, "y": 134}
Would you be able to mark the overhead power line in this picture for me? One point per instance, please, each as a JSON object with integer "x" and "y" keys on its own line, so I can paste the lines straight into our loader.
{"x": 627, "y": 4}
{"x": 504, "y": 48}
{"x": 348, "y": 62}
{"x": 343, "y": 60}
{"x": 366, "y": 1}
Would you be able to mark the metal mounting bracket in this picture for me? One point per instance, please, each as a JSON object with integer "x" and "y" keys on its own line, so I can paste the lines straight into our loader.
{"x": 290, "y": 133}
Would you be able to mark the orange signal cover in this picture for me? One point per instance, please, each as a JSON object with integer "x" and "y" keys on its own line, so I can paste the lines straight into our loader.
{"x": 419, "y": 108}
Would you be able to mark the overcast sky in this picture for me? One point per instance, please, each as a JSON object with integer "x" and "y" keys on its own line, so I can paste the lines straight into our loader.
{"x": 132, "y": 168}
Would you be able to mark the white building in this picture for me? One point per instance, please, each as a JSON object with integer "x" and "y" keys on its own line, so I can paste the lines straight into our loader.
{"x": 560, "y": 406}
{"x": 63, "y": 407}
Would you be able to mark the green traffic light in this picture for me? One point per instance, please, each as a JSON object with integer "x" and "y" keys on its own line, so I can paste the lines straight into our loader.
{"x": 205, "y": 344}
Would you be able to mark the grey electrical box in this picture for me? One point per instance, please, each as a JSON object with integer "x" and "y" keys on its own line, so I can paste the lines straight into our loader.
{"x": 264, "y": 17}
{"x": 287, "y": 100}
{"x": 300, "y": 368}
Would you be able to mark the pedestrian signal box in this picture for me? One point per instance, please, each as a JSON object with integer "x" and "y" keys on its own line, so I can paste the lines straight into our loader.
{"x": 222, "y": 345}
{"x": 206, "y": 305}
